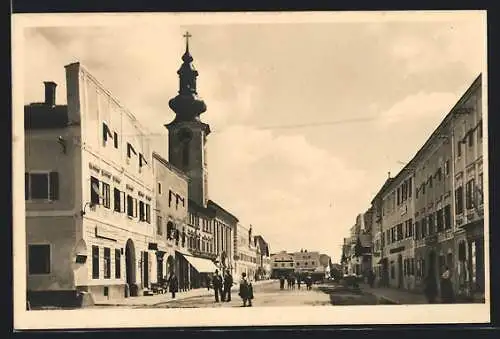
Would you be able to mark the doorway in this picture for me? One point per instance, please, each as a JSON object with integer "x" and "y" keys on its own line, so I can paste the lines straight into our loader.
{"x": 159, "y": 266}
{"x": 130, "y": 267}
{"x": 146, "y": 269}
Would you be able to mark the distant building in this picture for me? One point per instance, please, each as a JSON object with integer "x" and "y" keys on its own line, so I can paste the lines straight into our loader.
{"x": 245, "y": 252}
{"x": 307, "y": 262}
{"x": 282, "y": 263}
{"x": 263, "y": 257}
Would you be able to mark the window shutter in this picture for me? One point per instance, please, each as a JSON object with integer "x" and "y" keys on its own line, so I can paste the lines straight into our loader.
{"x": 26, "y": 186}
{"x": 54, "y": 186}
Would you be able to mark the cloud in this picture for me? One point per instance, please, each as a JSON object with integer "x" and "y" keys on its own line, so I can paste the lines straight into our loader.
{"x": 417, "y": 107}
{"x": 295, "y": 194}
{"x": 456, "y": 42}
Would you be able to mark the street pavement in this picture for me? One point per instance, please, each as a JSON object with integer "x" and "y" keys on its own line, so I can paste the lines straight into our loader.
{"x": 269, "y": 294}
{"x": 264, "y": 295}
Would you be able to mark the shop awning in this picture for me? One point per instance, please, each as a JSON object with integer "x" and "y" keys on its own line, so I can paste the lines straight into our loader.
{"x": 200, "y": 264}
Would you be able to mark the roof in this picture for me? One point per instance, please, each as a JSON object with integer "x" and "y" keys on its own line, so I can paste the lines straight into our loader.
{"x": 171, "y": 167}
{"x": 196, "y": 208}
{"x": 409, "y": 166}
{"x": 262, "y": 244}
{"x": 221, "y": 212}
{"x": 43, "y": 116}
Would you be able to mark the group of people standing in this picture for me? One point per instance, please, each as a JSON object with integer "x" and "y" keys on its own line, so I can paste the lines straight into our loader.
{"x": 222, "y": 286}
{"x": 291, "y": 280}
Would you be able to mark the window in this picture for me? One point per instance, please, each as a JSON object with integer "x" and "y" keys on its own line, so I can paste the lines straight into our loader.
{"x": 439, "y": 174}
{"x": 275, "y": 265}
{"x": 469, "y": 191}
{"x": 41, "y": 186}
{"x": 118, "y": 255}
{"x": 447, "y": 167}
{"x": 440, "y": 220}
{"x": 94, "y": 191}
{"x": 39, "y": 259}
{"x": 115, "y": 139}
{"x": 107, "y": 263}
{"x": 117, "y": 200}
{"x": 471, "y": 138}
{"x": 424, "y": 227}
{"x": 170, "y": 193}
{"x": 410, "y": 228}
{"x": 423, "y": 188}
{"x": 106, "y": 195}
{"x": 159, "y": 188}
{"x": 400, "y": 232}
{"x": 130, "y": 206}
{"x": 459, "y": 200}
{"x": 159, "y": 230}
{"x": 417, "y": 230}
{"x": 312, "y": 263}
{"x": 430, "y": 181}
{"x": 306, "y": 263}
{"x": 282, "y": 264}
{"x": 142, "y": 211}
{"x": 393, "y": 272}
{"x": 398, "y": 195}
{"x": 480, "y": 129}
{"x": 430, "y": 224}
{"x": 291, "y": 264}
{"x": 447, "y": 217}
{"x": 95, "y": 262}
{"x": 479, "y": 190}
{"x": 459, "y": 149}
{"x": 410, "y": 184}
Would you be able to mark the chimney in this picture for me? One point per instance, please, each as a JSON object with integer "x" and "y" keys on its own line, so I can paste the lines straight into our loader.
{"x": 50, "y": 93}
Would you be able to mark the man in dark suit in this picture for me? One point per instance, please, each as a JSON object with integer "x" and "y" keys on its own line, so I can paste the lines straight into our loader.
{"x": 228, "y": 283}
{"x": 217, "y": 283}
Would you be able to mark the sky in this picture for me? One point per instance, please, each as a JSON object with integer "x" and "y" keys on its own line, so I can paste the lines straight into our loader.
{"x": 307, "y": 118}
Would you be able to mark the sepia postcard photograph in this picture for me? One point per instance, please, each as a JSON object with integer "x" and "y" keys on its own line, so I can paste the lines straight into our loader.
{"x": 250, "y": 169}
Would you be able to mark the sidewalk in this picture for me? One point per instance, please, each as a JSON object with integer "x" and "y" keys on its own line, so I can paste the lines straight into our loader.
{"x": 167, "y": 297}
{"x": 395, "y": 296}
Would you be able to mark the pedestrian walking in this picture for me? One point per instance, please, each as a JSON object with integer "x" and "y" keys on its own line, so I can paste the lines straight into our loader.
{"x": 298, "y": 282}
{"x": 246, "y": 290}
{"x": 282, "y": 282}
{"x": 228, "y": 283}
{"x": 217, "y": 283}
{"x": 309, "y": 282}
{"x": 173, "y": 284}
{"x": 447, "y": 294}
{"x": 293, "y": 282}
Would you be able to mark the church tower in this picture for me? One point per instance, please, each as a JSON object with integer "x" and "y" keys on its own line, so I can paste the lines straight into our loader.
{"x": 187, "y": 134}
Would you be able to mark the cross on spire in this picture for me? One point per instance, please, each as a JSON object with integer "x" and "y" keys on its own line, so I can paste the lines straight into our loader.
{"x": 187, "y": 36}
